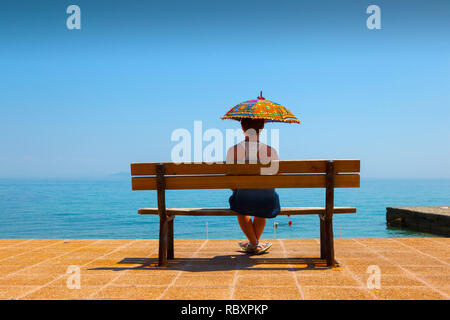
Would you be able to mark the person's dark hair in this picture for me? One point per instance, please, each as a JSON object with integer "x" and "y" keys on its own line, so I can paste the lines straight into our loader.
{"x": 255, "y": 124}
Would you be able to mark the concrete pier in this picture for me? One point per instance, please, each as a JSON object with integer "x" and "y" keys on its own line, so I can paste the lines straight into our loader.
{"x": 426, "y": 219}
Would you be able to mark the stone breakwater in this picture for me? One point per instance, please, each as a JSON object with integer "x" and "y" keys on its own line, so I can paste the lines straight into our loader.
{"x": 426, "y": 219}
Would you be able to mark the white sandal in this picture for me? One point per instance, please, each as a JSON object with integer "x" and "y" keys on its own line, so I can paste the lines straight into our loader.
{"x": 243, "y": 244}
{"x": 249, "y": 248}
{"x": 261, "y": 248}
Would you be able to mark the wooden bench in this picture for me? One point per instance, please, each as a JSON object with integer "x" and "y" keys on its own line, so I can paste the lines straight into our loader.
{"x": 328, "y": 174}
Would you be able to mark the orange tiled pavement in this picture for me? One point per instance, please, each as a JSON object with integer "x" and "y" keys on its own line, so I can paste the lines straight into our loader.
{"x": 411, "y": 268}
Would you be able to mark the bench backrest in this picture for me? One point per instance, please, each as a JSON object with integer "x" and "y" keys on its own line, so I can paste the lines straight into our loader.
{"x": 291, "y": 174}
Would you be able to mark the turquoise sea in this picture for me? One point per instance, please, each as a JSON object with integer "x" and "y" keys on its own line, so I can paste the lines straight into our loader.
{"x": 108, "y": 209}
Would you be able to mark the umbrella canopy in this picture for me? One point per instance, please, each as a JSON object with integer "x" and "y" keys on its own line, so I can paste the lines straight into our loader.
{"x": 261, "y": 109}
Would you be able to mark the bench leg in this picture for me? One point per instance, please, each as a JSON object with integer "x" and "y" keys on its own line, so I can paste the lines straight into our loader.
{"x": 329, "y": 210}
{"x": 328, "y": 227}
{"x": 163, "y": 230}
{"x": 170, "y": 250}
{"x": 323, "y": 240}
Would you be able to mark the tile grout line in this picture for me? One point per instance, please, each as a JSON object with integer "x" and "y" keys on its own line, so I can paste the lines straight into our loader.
{"x": 110, "y": 283}
{"x": 233, "y": 285}
{"x": 412, "y": 275}
{"x": 181, "y": 271}
{"x": 62, "y": 275}
{"x": 16, "y": 244}
{"x": 26, "y": 252}
{"x": 292, "y": 269}
{"x": 356, "y": 278}
{"x": 46, "y": 260}
{"x": 421, "y": 252}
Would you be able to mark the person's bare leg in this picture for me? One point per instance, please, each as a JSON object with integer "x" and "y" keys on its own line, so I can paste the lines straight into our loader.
{"x": 246, "y": 224}
{"x": 258, "y": 226}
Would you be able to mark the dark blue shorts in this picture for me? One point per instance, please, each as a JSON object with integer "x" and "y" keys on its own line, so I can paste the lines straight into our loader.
{"x": 263, "y": 203}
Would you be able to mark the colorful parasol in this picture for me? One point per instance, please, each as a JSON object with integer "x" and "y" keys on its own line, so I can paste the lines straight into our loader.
{"x": 261, "y": 109}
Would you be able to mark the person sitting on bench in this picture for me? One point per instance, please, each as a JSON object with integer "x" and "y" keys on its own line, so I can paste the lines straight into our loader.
{"x": 259, "y": 203}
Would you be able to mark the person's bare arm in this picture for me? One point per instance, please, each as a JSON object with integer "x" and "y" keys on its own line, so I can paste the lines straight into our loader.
{"x": 272, "y": 153}
{"x": 269, "y": 155}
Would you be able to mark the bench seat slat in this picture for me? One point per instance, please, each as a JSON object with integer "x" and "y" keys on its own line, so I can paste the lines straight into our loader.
{"x": 225, "y": 182}
{"x": 228, "y": 212}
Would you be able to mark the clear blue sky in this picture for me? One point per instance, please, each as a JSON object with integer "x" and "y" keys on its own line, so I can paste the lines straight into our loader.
{"x": 86, "y": 103}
